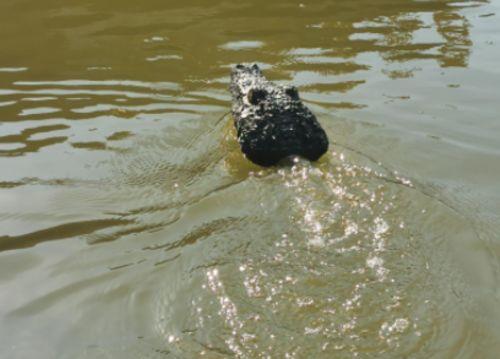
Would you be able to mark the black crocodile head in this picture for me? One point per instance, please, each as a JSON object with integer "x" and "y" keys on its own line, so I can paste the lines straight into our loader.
{"x": 271, "y": 121}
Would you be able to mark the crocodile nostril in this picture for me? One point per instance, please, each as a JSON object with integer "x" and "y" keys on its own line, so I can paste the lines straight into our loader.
{"x": 256, "y": 96}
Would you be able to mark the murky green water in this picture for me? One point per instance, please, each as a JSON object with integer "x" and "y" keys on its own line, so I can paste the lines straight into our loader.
{"x": 131, "y": 226}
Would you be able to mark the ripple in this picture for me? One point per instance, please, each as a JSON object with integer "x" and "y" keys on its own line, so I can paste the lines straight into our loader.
{"x": 7, "y": 103}
{"x": 66, "y": 230}
{"x": 242, "y": 45}
{"x": 150, "y": 107}
{"x": 72, "y": 92}
{"x": 38, "y": 111}
{"x": 39, "y": 99}
{"x": 31, "y": 139}
{"x": 164, "y": 57}
{"x": 309, "y": 51}
{"x": 155, "y": 39}
{"x": 13, "y": 69}
{"x": 113, "y": 83}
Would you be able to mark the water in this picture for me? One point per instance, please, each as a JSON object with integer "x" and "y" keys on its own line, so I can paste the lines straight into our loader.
{"x": 132, "y": 227}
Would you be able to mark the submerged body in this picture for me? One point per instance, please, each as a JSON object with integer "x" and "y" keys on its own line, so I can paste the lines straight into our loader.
{"x": 271, "y": 121}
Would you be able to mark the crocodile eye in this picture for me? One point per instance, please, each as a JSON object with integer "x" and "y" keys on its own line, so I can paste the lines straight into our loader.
{"x": 256, "y": 96}
{"x": 292, "y": 92}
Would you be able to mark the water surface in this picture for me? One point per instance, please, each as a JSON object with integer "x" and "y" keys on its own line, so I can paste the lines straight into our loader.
{"x": 132, "y": 227}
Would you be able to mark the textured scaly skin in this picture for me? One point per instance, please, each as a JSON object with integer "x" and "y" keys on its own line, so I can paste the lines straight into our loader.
{"x": 271, "y": 121}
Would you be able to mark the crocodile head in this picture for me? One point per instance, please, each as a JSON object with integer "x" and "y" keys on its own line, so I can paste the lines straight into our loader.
{"x": 271, "y": 121}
